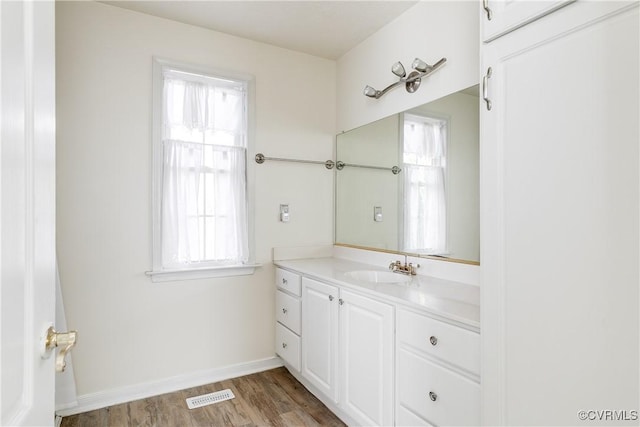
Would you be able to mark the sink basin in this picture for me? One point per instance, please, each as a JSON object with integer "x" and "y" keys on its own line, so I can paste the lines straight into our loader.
{"x": 375, "y": 276}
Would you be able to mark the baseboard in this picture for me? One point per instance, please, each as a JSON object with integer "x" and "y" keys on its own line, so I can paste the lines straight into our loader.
{"x": 102, "y": 399}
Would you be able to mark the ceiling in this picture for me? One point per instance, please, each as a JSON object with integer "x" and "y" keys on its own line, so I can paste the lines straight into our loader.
{"x": 322, "y": 28}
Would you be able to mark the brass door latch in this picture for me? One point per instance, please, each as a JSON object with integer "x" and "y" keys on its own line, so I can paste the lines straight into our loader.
{"x": 64, "y": 340}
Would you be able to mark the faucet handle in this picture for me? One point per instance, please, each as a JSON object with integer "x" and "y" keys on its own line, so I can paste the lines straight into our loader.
{"x": 412, "y": 269}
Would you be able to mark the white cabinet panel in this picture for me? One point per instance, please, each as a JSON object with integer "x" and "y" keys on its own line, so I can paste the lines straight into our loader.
{"x": 288, "y": 346}
{"x": 438, "y": 395}
{"x": 499, "y": 17}
{"x": 288, "y": 311}
{"x": 452, "y": 344}
{"x": 560, "y": 217}
{"x": 366, "y": 362}
{"x": 320, "y": 339}
{"x": 406, "y": 418}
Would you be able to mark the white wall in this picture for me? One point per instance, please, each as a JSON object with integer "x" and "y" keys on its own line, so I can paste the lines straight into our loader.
{"x": 131, "y": 330}
{"x": 429, "y": 30}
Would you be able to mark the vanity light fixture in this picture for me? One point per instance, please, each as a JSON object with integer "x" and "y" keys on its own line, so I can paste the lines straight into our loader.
{"x": 411, "y": 81}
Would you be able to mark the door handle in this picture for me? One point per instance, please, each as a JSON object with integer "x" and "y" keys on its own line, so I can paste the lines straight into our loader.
{"x": 485, "y": 88}
{"x": 64, "y": 340}
{"x": 485, "y": 6}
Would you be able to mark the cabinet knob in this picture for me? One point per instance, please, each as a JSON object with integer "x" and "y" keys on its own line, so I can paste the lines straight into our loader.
{"x": 330, "y": 297}
{"x": 284, "y": 310}
{"x": 340, "y": 301}
{"x": 433, "y": 340}
{"x": 284, "y": 281}
{"x": 284, "y": 345}
{"x": 433, "y": 396}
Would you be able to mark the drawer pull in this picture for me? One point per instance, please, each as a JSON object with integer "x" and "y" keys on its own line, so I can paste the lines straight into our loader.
{"x": 284, "y": 281}
{"x": 433, "y": 396}
{"x": 330, "y": 297}
{"x": 485, "y": 6}
{"x": 284, "y": 310}
{"x": 433, "y": 340}
{"x": 485, "y": 88}
{"x": 284, "y": 345}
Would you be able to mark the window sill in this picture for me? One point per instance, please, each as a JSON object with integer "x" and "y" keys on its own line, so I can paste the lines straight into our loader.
{"x": 202, "y": 273}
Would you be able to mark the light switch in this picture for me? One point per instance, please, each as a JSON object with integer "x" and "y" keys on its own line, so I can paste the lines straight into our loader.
{"x": 377, "y": 213}
{"x": 284, "y": 213}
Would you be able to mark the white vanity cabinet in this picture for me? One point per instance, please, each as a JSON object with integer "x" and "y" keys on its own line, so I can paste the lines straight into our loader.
{"x": 347, "y": 350}
{"x": 377, "y": 358}
{"x": 288, "y": 317}
{"x": 559, "y": 216}
{"x": 437, "y": 372}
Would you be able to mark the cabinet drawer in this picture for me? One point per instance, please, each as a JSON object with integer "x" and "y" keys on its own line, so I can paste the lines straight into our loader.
{"x": 288, "y": 346}
{"x": 288, "y": 281}
{"x": 440, "y": 396}
{"x": 288, "y": 311}
{"x": 450, "y": 343}
{"x": 406, "y": 418}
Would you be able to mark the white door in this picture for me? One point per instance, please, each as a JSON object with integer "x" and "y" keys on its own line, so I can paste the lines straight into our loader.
{"x": 27, "y": 210}
{"x": 366, "y": 359}
{"x": 560, "y": 219}
{"x": 320, "y": 335}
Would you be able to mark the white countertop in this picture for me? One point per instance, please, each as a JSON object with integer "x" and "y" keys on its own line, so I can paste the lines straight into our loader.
{"x": 455, "y": 301}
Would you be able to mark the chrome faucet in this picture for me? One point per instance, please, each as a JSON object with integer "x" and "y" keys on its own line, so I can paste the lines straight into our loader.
{"x": 408, "y": 269}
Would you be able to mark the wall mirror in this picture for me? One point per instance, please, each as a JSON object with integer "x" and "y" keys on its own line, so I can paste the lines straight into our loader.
{"x": 408, "y": 183}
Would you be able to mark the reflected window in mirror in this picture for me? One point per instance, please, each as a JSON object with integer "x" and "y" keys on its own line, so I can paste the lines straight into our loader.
{"x": 424, "y": 162}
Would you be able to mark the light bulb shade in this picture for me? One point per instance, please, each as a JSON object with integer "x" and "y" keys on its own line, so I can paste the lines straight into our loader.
{"x": 370, "y": 92}
{"x": 420, "y": 65}
{"x": 398, "y": 69}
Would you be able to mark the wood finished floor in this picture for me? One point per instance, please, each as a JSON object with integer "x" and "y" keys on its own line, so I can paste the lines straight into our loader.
{"x": 270, "y": 398}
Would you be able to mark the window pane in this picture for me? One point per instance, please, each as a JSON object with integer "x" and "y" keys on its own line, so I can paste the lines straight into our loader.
{"x": 210, "y": 194}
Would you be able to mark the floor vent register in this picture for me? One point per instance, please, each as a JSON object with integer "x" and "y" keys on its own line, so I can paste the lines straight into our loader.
{"x": 210, "y": 399}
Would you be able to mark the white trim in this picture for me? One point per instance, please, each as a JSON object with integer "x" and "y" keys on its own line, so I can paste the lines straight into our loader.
{"x": 102, "y": 399}
{"x": 202, "y": 272}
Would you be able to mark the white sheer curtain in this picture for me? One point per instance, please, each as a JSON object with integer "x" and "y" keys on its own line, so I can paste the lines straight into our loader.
{"x": 424, "y": 170}
{"x": 204, "y": 203}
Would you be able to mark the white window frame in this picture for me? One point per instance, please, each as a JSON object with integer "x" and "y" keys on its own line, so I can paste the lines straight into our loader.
{"x": 159, "y": 273}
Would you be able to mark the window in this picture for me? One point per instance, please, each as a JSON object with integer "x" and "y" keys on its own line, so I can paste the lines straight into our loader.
{"x": 201, "y": 212}
{"x": 424, "y": 156}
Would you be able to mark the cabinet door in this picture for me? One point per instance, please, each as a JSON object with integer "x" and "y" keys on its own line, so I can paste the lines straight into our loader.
{"x": 319, "y": 335}
{"x": 366, "y": 359}
{"x": 560, "y": 217}
{"x": 499, "y": 17}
